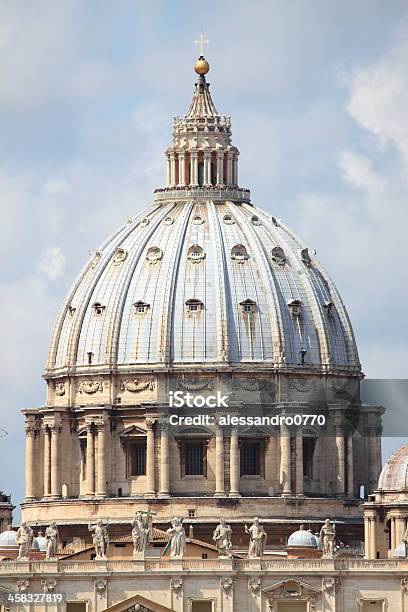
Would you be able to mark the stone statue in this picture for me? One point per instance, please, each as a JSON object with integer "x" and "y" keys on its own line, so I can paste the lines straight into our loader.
{"x": 405, "y": 541}
{"x": 100, "y": 539}
{"x": 177, "y": 539}
{"x": 222, "y": 539}
{"x": 326, "y": 537}
{"x": 51, "y": 535}
{"x": 140, "y": 533}
{"x": 257, "y": 539}
{"x": 24, "y": 540}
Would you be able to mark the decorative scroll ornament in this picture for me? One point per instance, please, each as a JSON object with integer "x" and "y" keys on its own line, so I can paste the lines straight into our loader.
{"x": 331, "y": 585}
{"x": 49, "y": 584}
{"x": 23, "y": 586}
{"x": 60, "y": 389}
{"x": 194, "y": 384}
{"x": 254, "y": 586}
{"x": 227, "y": 585}
{"x": 250, "y": 384}
{"x": 136, "y": 385}
{"x": 119, "y": 256}
{"x": 100, "y": 586}
{"x": 153, "y": 255}
{"x": 176, "y": 585}
{"x": 97, "y": 256}
{"x": 303, "y": 385}
{"x": 90, "y": 387}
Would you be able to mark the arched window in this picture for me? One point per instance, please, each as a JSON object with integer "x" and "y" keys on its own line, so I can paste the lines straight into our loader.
{"x": 248, "y": 306}
{"x": 201, "y": 173}
{"x": 239, "y": 253}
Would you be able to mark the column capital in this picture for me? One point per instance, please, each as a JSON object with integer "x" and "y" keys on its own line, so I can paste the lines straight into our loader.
{"x": 150, "y": 423}
{"x": 100, "y": 426}
{"x": 31, "y": 430}
{"x": 55, "y": 429}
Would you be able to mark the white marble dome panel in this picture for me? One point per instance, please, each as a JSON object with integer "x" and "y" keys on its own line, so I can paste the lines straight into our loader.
{"x": 220, "y": 284}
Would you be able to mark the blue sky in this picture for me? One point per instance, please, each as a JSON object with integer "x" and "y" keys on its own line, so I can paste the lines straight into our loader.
{"x": 318, "y": 95}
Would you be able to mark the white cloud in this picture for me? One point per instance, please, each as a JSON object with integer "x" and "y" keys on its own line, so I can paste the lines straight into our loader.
{"x": 357, "y": 170}
{"x": 52, "y": 262}
{"x": 379, "y": 96}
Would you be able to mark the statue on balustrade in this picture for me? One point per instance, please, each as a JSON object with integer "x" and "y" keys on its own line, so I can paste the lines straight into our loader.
{"x": 177, "y": 539}
{"x": 24, "y": 540}
{"x": 140, "y": 532}
{"x": 51, "y": 535}
{"x": 100, "y": 539}
{"x": 257, "y": 539}
{"x": 327, "y": 537}
{"x": 222, "y": 539}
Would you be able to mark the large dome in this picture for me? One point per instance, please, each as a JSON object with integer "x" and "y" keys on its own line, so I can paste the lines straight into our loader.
{"x": 206, "y": 282}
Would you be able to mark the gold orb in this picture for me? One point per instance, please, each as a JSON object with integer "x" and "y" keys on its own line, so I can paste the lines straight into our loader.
{"x": 201, "y": 66}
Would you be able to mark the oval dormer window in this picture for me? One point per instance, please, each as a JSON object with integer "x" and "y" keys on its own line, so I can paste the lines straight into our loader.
{"x": 98, "y": 309}
{"x": 248, "y": 306}
{"x": 168, "y": 221}
{"x": 197, "y": 220}
{"x": 228, "y": 220}
{"x": 194, "y": 305}
{"x": 239, "y": 253}
{"x": 195, "y": 253}
{"x": 141, "y": 307}
{"x": 154, "y": 254}
{"x": 278, "y": 255}
{"x": 144, "y": 222}
{"x": 255, "y": 220}
{"x": 295, "y": 306}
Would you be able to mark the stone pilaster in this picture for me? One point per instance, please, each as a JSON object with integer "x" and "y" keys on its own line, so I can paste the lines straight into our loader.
{"x": 285, "y": 478}
{"x": 164, "y": 461}
{"x": 299, "y": 463}
{"x": 47, "y": 461}
{"x": 219, "y": 463}
{"x": 207, "y": 168}
{"x": 101, "y": 427}
{"x": 150, "y": 459}
{"x": 172, "y": 170}
{"x": 220, "y": 168}
{"x": 193, "y": 169}
{"x": 340, "y": 488}
{"x": 234, "y": 464}
{"x": 229, "y": 177}
{"x": 31, "y": 434}
{"x": 182, "y": 169}
{"x": 90, "y": 460}
{"x": 55, "y": 461}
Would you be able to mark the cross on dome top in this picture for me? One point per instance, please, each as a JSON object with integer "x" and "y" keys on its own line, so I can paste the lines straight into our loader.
{"x": 201, "y": 41}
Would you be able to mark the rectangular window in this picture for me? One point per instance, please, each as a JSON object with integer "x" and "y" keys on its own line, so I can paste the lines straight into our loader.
{"x": 137, "y": 459}
{"x": 194, "y": 458}
{"x": 250, "y": 459}
{"x": 76, "y": 606}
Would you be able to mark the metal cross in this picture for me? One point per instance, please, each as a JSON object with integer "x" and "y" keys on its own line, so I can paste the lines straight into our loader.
{"x": 201, "y": 41}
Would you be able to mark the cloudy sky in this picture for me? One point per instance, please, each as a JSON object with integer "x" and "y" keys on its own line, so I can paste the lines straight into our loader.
{"x": 318, "y": 94}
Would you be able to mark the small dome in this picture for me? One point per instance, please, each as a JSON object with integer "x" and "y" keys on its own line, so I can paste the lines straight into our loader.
{"x": 400, "y": 551}
{"x": 8, "y": 538}
{"x": 41, "y": 541}
{"x": 394, "y": 475}
{"x": 302, "y": 538}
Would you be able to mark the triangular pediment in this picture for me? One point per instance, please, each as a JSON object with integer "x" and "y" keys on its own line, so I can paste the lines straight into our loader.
{"x": 146, "y": 605}
{"x": 308, "y": 588}
{"x": 132, "y": 431}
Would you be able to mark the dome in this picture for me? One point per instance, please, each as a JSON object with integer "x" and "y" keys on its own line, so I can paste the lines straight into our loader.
{"x": 394, "y": 475}
{"x": 262, "y": 297}
{"x": 302, "y": 538}
{"x": 8, "y": 538}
